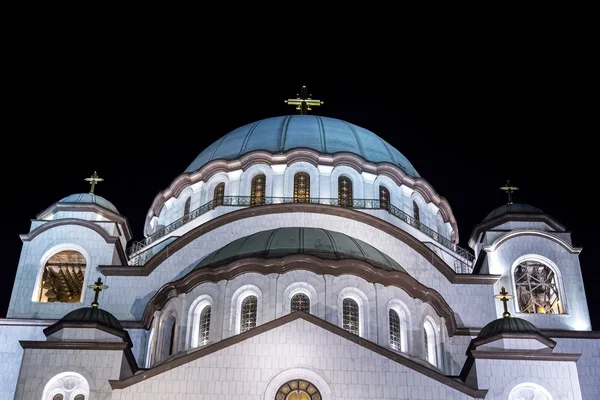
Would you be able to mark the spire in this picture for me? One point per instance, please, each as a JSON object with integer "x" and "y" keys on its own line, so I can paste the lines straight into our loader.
{"x": 93, "y": 180}
{"x": 509, "y": 190}
{"x": 503, "y": 296}
{"x": 98, "y": 287}
{"x": 303, "y": 101}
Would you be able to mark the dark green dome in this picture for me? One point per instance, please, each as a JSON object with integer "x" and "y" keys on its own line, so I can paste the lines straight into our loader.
{"x": 93, "y": 314}
{"x": 282, "y": 242}
{"x": 513, "y": 208}
{"x": 508, "y": 325}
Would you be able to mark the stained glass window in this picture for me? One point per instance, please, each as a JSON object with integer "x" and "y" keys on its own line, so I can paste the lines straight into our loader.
{"x": 351, "y": 317}
{"x": 248, "y": 313}
{"x": 257, "y": 194}
{"x": 537, "y": 289}
{"x": 300, "y": 302}
{"x": 298, "y": 390}
{"x": 345, "y": 192}
{"x": 62, "y": 279}
{"x": 301, "y": 188}
{"x": 384, "y": 198}
{"x": 219, "y": 194}
{"x": 394, "y": 330}
{"x": 204, "y": 330}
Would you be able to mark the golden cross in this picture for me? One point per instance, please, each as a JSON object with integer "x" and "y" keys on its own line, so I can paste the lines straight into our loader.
{"x": 93, "y": 180}
{"x": 504, "y": 297}
{"x": 303, "y": 101}
{"x": 98, "y": 287}
{"x": 509, "y": 190}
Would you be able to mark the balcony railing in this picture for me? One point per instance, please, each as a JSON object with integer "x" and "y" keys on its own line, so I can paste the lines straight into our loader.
{"x": 464, "y": 258}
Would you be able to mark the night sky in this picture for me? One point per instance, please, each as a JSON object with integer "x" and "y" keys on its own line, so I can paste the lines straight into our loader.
{"x": 141, "y": 128}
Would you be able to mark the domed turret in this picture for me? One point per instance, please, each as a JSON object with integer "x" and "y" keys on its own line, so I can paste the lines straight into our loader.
{"x": 89, "y": 198}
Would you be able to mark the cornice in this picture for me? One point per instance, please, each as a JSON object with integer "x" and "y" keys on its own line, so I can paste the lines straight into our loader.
{"x": 531, "y": 232}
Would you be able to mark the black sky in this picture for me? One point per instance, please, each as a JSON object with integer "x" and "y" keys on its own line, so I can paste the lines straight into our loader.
{"x": 140, "y": 126}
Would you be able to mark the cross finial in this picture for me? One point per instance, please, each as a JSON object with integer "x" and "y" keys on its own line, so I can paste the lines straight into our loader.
{"x": 303, "y": 101}
{"x": 98, "y": 287}
{"x": 504, "y": 297}
{"x": 93, "y": 180}
{"x": 509, "y": 190}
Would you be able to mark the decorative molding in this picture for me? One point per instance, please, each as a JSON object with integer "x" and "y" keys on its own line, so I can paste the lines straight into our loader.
{"x": 310, "y": 156}
{"x": 524, "y": 355}
{"x": 487, "y": 225}
{"x": 187, "y": 357}
{"x": 250, "y": 212}
{"x": 531, "y": 232}
{"x": 300, "y": 262}
{"x": 556, "y": 333}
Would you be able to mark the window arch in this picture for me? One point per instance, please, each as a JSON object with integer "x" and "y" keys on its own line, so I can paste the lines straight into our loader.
{"x": 300, "y": 302}
{"x": 66, "y": 385}
{"x": 298, "y": 389}
{"x": 537, "y": 288}
{"x": 398, "y": 325}
{"x": 345, "y": 191}
{"x": 204, "y": 326}
{"x": 169, "y": 336}
{"x": 248, "y": 313}
{"x": 395, "y": 333}
{"x": 528, "y": 391}
{"x": 62, "y": 278}
{"x": 429, "y": 341}
{"x": 219, "y": 194}
{"x": 351, "y": 316}
{"x": 301, "y": 188}
{"x": 257, "y": 190}
{"x": 384, "y": 198}
{"x": 416, "y": 214}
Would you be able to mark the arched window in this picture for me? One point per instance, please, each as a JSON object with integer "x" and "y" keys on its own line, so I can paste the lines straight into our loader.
{"x": 204, "y": 328}
{"x": 58, "y": 396}
{"x": 537, "y": 289}
{"x": 300, "y": 302}
{"x": 345, "y": 192}
{"x": 219, "y": 194}
{"x": 169, "y": 338}
{"x": 395, "y": 336}
{"x": 248, "y": 313}
{"x": 416, "y": 214}
{"x": 149, "y": 349}
{"x": 529, "y": 391}
{"x": 429, "y": 342}
{"x": 79, "y": 397}
{"x": 172, "y": 340}
{"x": 66, "y": 385}
{"x": 384, "y": 198}
{"x": 62, "y": 279}
{"x": 301, "y": 188}
{"x": 186, "y": 210}
{"x": 298, "y": 390}
{"x": 257, "y": 190}
{"x": 351, "y": 316}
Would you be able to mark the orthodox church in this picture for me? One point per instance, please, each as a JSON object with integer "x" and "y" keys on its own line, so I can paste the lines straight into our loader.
{"x": 298, "y": 257}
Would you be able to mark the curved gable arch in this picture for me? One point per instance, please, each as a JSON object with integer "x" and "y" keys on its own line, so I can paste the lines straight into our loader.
{"x": 531, "y": 232}
{"x": 69, "y": 221}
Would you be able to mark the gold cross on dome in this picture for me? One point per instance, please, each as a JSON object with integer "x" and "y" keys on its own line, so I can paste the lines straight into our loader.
{"x": 98, "y": 286}
{"x": 504, "y": 297}
{"x": 303, "y": 101}
{"x": 509, "y": 191}
{"x": 93, "y": 180}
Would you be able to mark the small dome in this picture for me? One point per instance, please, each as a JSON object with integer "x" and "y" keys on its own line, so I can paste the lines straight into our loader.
{"x": 93, "y": 314}
{"x": 514, "y": 208}
{"x": 508, "y": 325}
{"x": 281, "y": 242}
{"x": 89, "y": 198}
{"x": 322, "y": 134}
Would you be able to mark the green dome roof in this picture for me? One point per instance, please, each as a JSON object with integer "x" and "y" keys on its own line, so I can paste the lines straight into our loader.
{"x": 93, "y": 314}
{"x": 89, "y": 198}
{"x": 513, "y": 208}
{"x": 508, "y": 325}
{"x": 281, "y": 242}
{"x": 322, "y": 134}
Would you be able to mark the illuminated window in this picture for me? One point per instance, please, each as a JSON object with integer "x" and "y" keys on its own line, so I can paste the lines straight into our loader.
{"x": 345, "y": 192}
{"x": 204, "y": 326}
{"x": 429, "y": 342}
{"x": 416, "y": 214}
{"x": 186, "y": 210}
{"x": 351, "y": 316}
{"x": 537, "y": 289}
{"x": 298, "y": 390}
{"x": 395, "y": 339}
{"x": 300, "y": 302}
{"x": 384, "y": 198}
{"x": 257, "y": 190}
{"x": 62, "y": 279}
{"x": 219, "y": 194}
{"x": 248, "y": 313}
{"x": 301, "y": 188}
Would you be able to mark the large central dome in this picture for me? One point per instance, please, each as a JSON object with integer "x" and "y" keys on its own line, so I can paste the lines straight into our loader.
{"x": 322, "y": 134}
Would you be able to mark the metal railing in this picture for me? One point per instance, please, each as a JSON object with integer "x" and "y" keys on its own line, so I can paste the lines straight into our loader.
{"x": 464, "y": 257}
